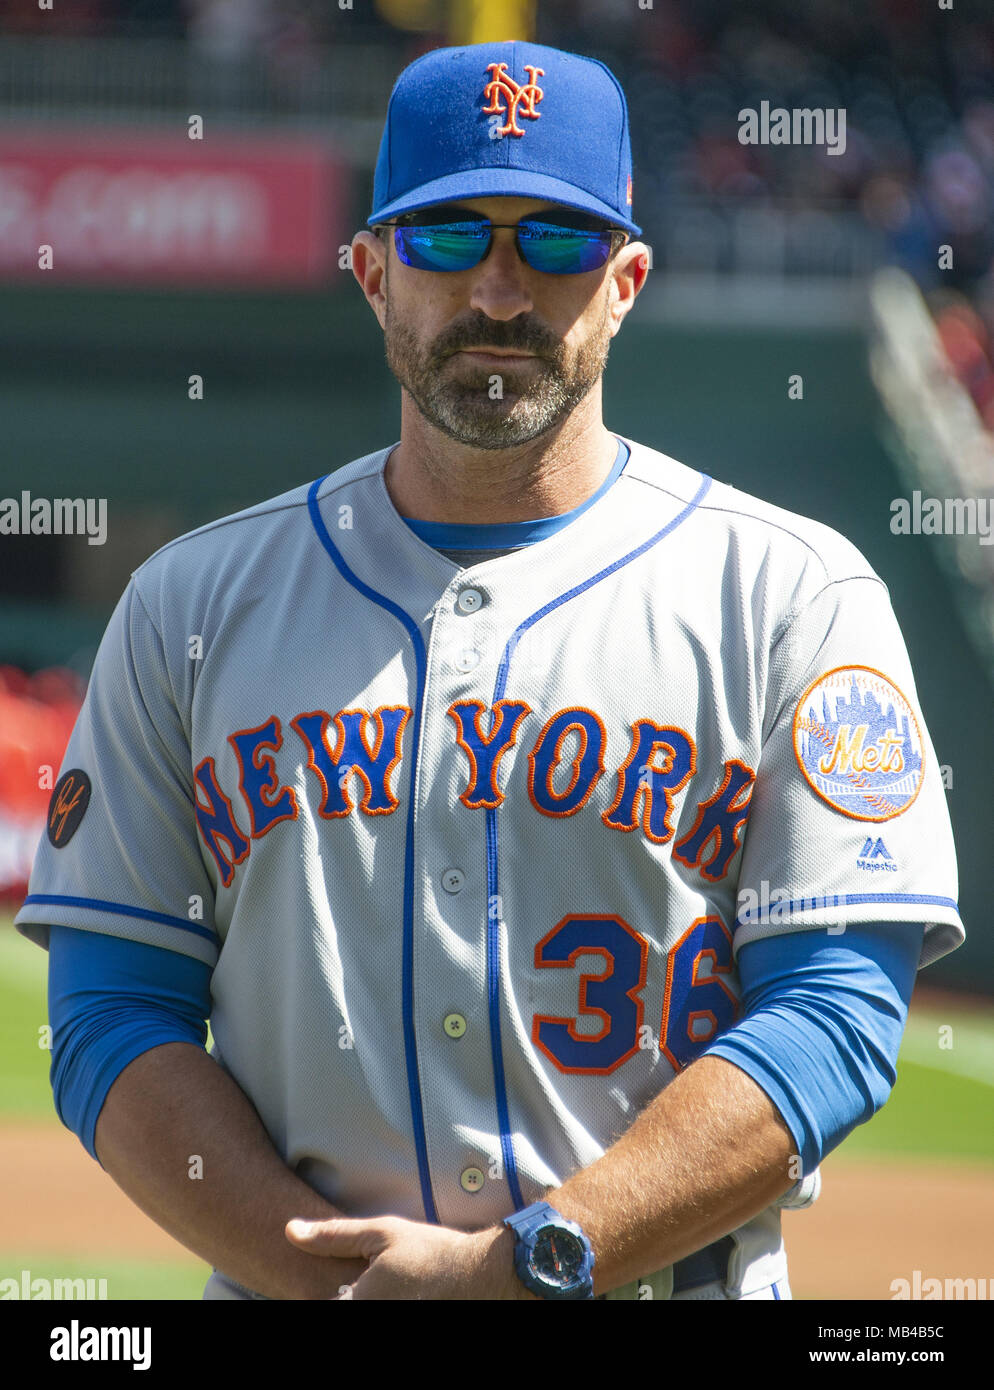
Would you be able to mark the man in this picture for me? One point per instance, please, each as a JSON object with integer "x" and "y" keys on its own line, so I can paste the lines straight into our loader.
{"x": 501, "y": 798}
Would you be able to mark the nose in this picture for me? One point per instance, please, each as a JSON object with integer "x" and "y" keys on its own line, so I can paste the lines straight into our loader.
{"x": 500, "y": 281}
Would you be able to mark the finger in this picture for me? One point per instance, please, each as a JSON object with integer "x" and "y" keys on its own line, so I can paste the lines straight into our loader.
{"x": 338, "y": 1236}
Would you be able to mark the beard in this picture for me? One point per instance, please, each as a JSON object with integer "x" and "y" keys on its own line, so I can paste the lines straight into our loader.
{"x": 461, "y": 399}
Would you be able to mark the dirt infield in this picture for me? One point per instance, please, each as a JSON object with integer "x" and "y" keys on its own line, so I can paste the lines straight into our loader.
{"x": 878, "y": 1222}
{"x": 873, "y": 1223}
{"x": 57, "y": 1200}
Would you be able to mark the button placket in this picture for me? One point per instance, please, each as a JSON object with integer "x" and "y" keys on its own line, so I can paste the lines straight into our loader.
{"x": 454, "y": 1081}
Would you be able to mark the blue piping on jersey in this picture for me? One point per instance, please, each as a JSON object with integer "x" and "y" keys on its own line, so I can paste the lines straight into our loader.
{"x": 407, "y": 1001}
{"x": 493, "y": 887}
{"x": 123, "y": 910}
{"x": 839, "y": 900}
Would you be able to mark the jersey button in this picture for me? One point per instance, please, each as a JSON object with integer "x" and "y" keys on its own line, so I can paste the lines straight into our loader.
{"x": 453, "y": 880}
{"x": 454, "y": 1025}
{"x": 467, "y": 660}
{"x": 469, "y": 601}
{"x": 471, "y": 1179}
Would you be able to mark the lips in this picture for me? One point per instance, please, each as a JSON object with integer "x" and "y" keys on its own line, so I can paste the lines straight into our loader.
{"x": 489, "y": 356}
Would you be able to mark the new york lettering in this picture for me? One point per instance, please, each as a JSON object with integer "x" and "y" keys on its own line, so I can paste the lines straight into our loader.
{"x": 354, "y": 753}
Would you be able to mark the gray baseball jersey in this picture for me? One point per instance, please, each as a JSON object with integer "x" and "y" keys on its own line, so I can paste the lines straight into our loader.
{"x": 472, "y": 850}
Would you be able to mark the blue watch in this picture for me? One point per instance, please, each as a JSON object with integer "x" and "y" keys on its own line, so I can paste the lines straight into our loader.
{"x": 552, "y": 1256}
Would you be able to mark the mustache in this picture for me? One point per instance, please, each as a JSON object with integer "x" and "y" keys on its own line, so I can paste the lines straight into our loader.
{"x": 493, "y": 337}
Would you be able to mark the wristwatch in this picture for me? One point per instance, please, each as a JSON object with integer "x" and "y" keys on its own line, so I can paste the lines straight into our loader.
{"x": 552, "y": 1256}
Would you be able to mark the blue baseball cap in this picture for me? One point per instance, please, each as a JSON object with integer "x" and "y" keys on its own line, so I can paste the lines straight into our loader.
{"x": 507, "y": 119}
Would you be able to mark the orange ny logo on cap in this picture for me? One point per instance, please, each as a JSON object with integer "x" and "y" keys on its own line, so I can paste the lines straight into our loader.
{"x": 505, "y": 95}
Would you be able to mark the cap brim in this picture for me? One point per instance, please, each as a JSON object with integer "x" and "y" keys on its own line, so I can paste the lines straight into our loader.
{"x": 501, "y": 183}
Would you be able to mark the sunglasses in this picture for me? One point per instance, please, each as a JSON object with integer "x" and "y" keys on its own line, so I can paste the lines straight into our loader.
{"x": 552, "y": 246}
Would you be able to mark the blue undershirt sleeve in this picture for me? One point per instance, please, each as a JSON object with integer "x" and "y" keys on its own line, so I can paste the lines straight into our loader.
{"x": 110, "y": 1000}
{"x": 822, "y": 1026}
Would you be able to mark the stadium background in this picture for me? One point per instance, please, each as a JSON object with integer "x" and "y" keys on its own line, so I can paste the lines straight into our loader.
{"x": 224, "y": 258}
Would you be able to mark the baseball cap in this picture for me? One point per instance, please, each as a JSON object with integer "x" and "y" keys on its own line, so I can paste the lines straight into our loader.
{"x": 510, "y": 119}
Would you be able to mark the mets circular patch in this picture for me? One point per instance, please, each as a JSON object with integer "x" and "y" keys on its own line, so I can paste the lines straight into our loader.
{"x": 65, "y": 810}
{"x": 858, "y": 743}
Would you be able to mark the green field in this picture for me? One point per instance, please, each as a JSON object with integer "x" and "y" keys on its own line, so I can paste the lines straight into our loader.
{"x": 25, "y": 1094}
{"x": 141, "y": 1279}
{"x": 940, "y": 1109}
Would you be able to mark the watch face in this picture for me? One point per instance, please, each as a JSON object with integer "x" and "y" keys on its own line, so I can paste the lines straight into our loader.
{"x": 557, "y": 1256}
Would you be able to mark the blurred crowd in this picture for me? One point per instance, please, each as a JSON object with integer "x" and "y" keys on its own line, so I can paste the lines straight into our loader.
{"x": 37, "y": 714}
{"x": 967, "y": 343}
{"x": 232, "y": 27}
{"x": 916, "y": 83}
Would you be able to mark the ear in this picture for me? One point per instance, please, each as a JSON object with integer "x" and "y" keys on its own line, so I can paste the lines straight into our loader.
{"x": 370, "y": 257}
{"x": 629, "y": 272}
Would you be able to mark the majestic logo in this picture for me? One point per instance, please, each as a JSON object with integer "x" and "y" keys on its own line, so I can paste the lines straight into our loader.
{"x": 65, "y": 810}
{"x": 858, "y": 744}
{"x": 506, "y": 97}
{"x": 876, "y": 857}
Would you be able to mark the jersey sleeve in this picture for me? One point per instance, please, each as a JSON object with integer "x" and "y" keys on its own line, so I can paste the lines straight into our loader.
{"x": 848, "y": 821}
{"x": 120, "y": 852}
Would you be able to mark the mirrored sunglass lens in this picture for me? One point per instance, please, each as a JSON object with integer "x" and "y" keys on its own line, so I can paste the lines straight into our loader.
{"x": 446, "y": 246}
{"x": 559, "y": 250}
